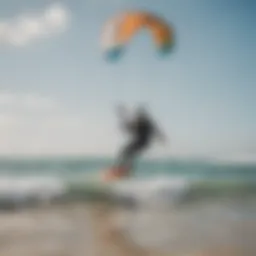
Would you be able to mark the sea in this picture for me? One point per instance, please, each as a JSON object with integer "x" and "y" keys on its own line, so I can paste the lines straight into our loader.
{"x": 171, "y": 203}
{"x": 21, "y": 178}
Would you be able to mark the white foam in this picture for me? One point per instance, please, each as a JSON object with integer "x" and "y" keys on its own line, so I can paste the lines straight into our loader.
{"x": 160, "y": 190}
{"x": 18, "y": 190}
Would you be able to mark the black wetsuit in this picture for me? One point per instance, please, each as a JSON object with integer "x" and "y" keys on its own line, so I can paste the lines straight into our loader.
{"x": 142, "y": 132}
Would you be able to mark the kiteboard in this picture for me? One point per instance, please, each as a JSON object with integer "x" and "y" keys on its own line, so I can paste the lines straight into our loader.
{"x": 115, "y": 174}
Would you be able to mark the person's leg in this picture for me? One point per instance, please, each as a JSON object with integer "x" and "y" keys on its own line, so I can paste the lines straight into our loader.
{"x": 129, "y": 153}
{"x": 126, "y": 156}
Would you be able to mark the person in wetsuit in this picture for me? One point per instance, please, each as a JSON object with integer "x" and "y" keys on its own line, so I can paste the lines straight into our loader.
{"x": 142, "y": 130}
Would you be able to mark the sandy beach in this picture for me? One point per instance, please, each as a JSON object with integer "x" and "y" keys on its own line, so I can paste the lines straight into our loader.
{"x": 85, "y": 229}
{"x": 64, "y": 230}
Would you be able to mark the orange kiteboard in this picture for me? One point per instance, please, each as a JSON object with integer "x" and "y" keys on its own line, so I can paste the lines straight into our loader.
{"x": 115, "y": 174}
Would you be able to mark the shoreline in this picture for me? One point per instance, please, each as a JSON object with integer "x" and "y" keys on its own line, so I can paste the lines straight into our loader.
{"x": 113, "y": 240}
{"x": 87, "y": 228}
{"x": 69, "y": 229}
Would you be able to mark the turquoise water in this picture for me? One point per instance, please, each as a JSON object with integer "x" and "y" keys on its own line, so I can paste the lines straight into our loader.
{"x": 47, "y": 177}
{"x": 76, "y": 166}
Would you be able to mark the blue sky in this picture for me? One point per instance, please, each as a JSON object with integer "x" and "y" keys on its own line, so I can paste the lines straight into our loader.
{"x": 203, "y": 94}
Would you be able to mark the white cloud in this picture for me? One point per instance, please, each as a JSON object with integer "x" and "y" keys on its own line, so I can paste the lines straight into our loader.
{"x": 6, "y": 120}
{"x": 6, "y": 98}
{"x": 29, "y": 102}
{"x": 26, "y": 28}
{"x": 33, "y": 124}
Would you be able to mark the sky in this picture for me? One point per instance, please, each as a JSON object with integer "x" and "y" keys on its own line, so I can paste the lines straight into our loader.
{"x": 58, "y": 93}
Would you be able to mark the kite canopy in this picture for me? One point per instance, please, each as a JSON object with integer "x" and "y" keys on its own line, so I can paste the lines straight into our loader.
{"x": 120, "y": 29}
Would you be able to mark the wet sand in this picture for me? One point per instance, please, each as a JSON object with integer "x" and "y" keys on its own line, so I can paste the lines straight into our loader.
{"x": 64, "y": 230}
{"x": 79, "y": 229}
